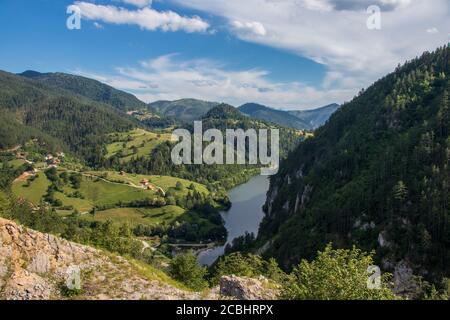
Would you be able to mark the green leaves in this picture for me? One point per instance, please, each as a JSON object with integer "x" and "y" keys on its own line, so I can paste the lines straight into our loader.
{"x": 335, "y": 275}
{"x": 185, "y": 269}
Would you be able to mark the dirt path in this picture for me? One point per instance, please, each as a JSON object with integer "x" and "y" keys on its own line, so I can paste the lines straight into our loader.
{"x": 129, "y": 184}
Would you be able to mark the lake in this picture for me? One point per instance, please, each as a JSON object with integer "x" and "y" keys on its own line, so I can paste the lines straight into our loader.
{"x": 245, "y": 215}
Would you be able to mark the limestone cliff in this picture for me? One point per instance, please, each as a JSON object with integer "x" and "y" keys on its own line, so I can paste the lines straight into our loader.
{"x": 34, "y": 266}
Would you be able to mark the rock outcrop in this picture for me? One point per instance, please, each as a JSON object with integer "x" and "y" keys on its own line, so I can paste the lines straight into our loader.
{"x": 35, "y": 266}
{"x": 243, "y": 288}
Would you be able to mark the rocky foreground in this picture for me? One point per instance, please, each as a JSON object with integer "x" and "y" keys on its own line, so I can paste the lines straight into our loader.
{"x": 36, "y": 266}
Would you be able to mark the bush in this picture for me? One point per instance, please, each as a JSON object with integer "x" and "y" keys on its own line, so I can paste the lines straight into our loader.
{"x": 185, "y": 269}
{"x": 335, "y": 275}
{"x": 247, "y": 265}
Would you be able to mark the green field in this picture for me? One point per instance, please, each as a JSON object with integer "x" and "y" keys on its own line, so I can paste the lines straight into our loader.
{"x": 95, "y": 192}
{"x": 135, "y": 216}
{"x": 34, "y": 192}
{"x": 144, "y": 142}
{"x": 17, "y": 163}
{"x": 164, "y": 182}
{"x": 110, "y": 189}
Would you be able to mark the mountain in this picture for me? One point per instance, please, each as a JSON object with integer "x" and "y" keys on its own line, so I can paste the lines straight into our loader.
{"x": 376, "y": 175}
{"x": 316, "y": 117}
{"x": 89, "y": 88}
{"x": 282, "y": 118}
{"x": 224, "y": 111}
{"x": 43, "y": 111}
{"x": 186, "y": 110}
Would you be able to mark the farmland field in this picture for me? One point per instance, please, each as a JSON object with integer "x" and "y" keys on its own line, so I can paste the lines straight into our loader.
{"x": 135, "y": 216}
{"x": 35, "y": 191}
{"x": 136, "y": 143}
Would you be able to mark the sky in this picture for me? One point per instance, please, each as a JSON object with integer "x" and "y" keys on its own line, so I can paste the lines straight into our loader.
{"x": 287, "y": 54}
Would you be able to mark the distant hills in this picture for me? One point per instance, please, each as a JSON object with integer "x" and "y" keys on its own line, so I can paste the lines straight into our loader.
{"x": 186, "y": 110}
{"x": 303, "y": 120}
{"x": 280, "y": 117}
{"x": 316, "y": 117}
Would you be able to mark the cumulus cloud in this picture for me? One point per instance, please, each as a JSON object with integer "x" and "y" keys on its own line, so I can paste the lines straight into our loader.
{"x": 169, "y": 77}
{"x": 359, "y": 5}
{"x": 334, "y": 32}
{"x": 254, "y": 27}
{"x": 146, "y": 18}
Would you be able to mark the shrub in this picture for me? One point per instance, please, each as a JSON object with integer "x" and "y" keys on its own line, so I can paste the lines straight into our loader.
{"x": 335, "y": 275}
{"x": 185, "y": 269}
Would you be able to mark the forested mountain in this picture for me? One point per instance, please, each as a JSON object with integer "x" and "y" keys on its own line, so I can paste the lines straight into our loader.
{"x": 89, "y": 88}
{"x": 280, "y": 117}
{"x": 376, "y": 175}
{"x": 41, "y": 111}
{"x": 315, "y": 117}
{"x": 185, "y": 109}
{"x": 221, "y": 117}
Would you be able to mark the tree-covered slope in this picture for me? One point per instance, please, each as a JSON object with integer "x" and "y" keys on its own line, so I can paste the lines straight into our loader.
{"x": 280, "y": 117}
{"x": 89, "y": 88}
{"x": 41, "y": 111}
{"x": 375, "y": 175}
{"x": 183, "y": 110}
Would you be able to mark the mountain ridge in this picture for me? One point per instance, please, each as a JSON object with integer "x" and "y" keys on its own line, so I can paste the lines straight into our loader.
{"x": 376, "y": 175}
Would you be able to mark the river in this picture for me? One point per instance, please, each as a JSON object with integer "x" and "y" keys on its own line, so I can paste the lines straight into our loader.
{"x": 245, "y": 215}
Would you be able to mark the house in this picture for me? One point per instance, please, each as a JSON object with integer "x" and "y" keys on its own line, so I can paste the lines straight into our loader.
{"x": 144, "y": 182}
{"x": 52, "y": 162}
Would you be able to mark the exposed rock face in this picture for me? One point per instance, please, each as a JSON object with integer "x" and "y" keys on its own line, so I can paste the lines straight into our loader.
{"x": 34, "y": 266}
{"x": 404, "y": 281}
{"x": 243, "y": 288}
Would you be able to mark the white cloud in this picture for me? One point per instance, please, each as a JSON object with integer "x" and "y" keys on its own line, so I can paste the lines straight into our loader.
{"x": 254, "y": 27}
{"x": 334, "y": 32}
{"x": 170, "y": 78}
{"x": 138, "y": 3}
{"x": 432, "y": 30}
{"x": 146, "y": 18}
{"x": 356, "y": 5}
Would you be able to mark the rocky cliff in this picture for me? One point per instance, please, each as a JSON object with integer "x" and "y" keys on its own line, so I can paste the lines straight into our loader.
{"x": 34, "y": 265}
{"x": 38, "y": 266}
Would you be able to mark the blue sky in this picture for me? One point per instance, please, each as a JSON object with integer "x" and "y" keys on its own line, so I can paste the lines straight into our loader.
{"x": 264, "y": 51}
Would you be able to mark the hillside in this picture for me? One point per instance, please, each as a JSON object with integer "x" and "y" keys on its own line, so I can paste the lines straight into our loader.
{"x": 315, "y": 117}
{"x": 376, "y": 176}
{"x": 78, "y": 123}
{"x": 34, "y": 266}
{"x": 89, "y": 88}
{"x": 280, "y": 117}
{"x": 186, "y": 110}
